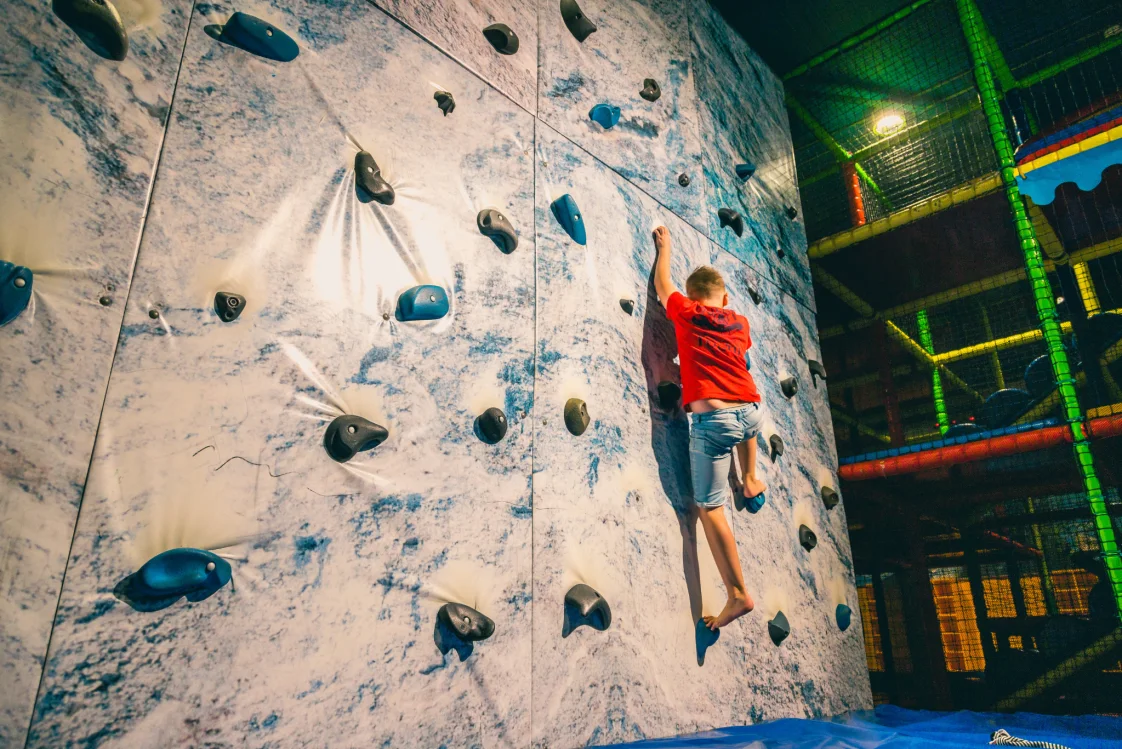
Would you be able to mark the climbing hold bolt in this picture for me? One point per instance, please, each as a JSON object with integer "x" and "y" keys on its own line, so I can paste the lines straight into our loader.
{"x": 756, "y": 298}
{"x": 778, "y": 628}
{"x": 16, "y": 282}
{"x": 259, "y": 38}
{"x": 349, "y": 434}
{"x": 576, "y": 416}
{"x": 684, "y": 179}
{"x": 807, "y": 538}
{"x": 97, "y": 23}
{"x": 816, "y": 371}
{"x": 578, "y": 24}
{"x": 568, "y": 215}
{"x": 776, "y": 443}
{"x": 165, "y": 578}
{"x": 491, "y": 425}
{"x": 604, "y": 115}
{"x": 844, "y": 616}
{"x": 668, "y": 395}
{"x": 501, "y": 38}
{"x": 829, "y": 498}
{"x": 228, "y": 305}
{"x": 468, "y": 624}
{"x": 792, "y": 212}
{"x": 445, "y": 101}
{"x": 427, "y": 302}
{"x": 745, "y": 171}
{"x": 650, "y": 91}
{"x": 585, "y": 607}
{"x": 790, "y": 386}
{"x": 369, "y": 180}
{"x": 627, "y": 305}
{"x": 732, "y": 219}
{"x": 498, "y": 227}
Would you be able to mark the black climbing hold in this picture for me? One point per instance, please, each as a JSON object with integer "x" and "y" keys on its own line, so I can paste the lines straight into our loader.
{"x": 627, "y": 305}
{"x": 468, "y": 624}
{"x": 792, "y": 212}
{"x": 604, "y": 115}
{"x": 228, "y": 305}
{"x": 445, "y": 101}
{"x": 195, "y": 574}
{"x": 568, "y": 215}
{"x": 578, "y": 24}
{"x": 369, "y": 180}
{"x": 502, "y": 38}
{"x": 419, "y": 303}
{"x": 684, "y": 179}
{"x": 576, "y": 416}
{"x": 1039, "y": 381}
{"x": 829, "y": 498}
{"x": 778, "y": 628}
{"x": 585, "y": 607}
{"x": 807, "y": 538}
{"x": 843, "y": 616}
{"x": 745, "y": 171}
{"x": 154, "y": 314}
{"x": 668, "y": 395}
{"x": 1004, "y": 407}
{"x": 776, "y": 443}
{"x": 817, "y": 371}
{"x": 790, "y": 386}
{"x": 756, "y": 298}
{"x": 498, "y": 227}
{"x": 349, "y": 434}
{"x": 650, "y": 91}
{"x": 259, "y": 37}
{"x": 97, "y": 23}
{"x": 15, "y": 290}
{"x": 491, "y": 425}
{"x": 105, "y": 301}
{"x": 732, "y": 219}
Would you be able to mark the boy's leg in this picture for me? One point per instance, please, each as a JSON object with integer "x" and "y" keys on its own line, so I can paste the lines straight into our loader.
{"x": 723, "y": 546}
{"x": 746, "y": 452}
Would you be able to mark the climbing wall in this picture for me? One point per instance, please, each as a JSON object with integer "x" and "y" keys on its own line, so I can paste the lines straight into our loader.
{"x": 211, "y": 433}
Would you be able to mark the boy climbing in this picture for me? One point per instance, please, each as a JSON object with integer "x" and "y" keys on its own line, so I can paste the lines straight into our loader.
{"x": 719, "y": 393}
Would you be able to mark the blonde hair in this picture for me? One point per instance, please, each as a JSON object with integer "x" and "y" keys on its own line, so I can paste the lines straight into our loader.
{"x": 704, "y": 283}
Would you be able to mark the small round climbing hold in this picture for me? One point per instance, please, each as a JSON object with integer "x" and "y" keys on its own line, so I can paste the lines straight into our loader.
{"x": 790, "y": 386}
{"x": 604, "y": 115}
{"x": 228, "y": 305}
{"x": 807, "y": 538}
{"x": 844, "y": 616}
{"x": 445, "y": 101}
{"x": 668, "y": 395}
{"x": 349, "y": 434}
{"x": 585, "y": 607}
{"x": 385, "y": 315}
{"x": 105, "y": 301}
{"x": 627, "y": 305}
{"x": 502, "y": 38}
{"x": 154, "y": 314}
{"x": 829, "y": 498}
{"x": 576, "y": 416}
{"x": 491, "y": 425}
{"x": 684, "y": 179}
{"x": 650, "y": 91}
{"x": 779, "y": 628}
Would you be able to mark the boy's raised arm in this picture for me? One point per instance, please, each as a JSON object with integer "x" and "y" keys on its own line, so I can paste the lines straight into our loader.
{"x": 664, "y": 286}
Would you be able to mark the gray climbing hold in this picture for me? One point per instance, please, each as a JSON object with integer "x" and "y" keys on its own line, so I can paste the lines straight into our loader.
{"x": 730, "y": 218}
{"x": 369, "y": 180}
{"x": 604, "y": 115}
{"x": 585, "y": 607}
{"x": 817, "y": 371}
{"x": 468, "y": 624}
{"x": 502, "y": 38}
{"x": 669, "y": 393}
{"x": 576, "y": 416}
{"x": 844, "y": 616}
{"x": 578, "y": 23}
{"x": 829, "y": 498}
{"x": 792, "y": 212}
{"x": 756, "y": 298}
{"x": 807, "y": 538}
{"x": 778, "y": 628}
{"x": 790, "y": 386}
{"x": 228, "y": 305}
{"x": 16, "y": 283}
{"x": 445, "y": 101}
{"x": 498, "y": 227}
{"x": 349, "y": 434}
{"x": 776, "y": 443}
{"x": 97, "y": 23}
{"x": 491, "y": 425}
{"x": 650, "y": 91}
{"x": 684, "y": 179}
{"x": 627, "y": 305}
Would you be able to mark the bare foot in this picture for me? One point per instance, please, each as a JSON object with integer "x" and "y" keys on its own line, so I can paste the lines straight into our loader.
{"x": 753, "y": 487}
{"x": 735, "y": 608}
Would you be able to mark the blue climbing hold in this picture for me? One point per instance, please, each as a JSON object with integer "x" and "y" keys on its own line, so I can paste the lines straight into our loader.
{"x": 15, "y": 290}
{"x": 755, "y": 504}
{"x": 747, "y": 361}
{"x": 844, "y": 616}
{"x": 605, "y": 115}
{"x": 259, "y": 38}
{"x": 426, "y": 302}
{"x": 568, "y": 215}
{"x": 745, "y": 171}
{"x": 165, "y": 578}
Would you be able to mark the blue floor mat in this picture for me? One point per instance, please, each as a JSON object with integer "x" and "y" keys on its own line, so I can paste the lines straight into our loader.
{"x": 895, "y": 728}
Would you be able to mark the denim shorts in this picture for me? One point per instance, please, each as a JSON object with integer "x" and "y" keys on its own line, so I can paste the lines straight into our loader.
{"x": 712, "y": 437}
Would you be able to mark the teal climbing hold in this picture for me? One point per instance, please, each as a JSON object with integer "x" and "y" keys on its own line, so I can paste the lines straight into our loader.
{"x": 745, "y": 171}
{"x": 177, "y": 573}
{"x": 426, "y": 302}
{"x": 844, "y": 616}
{"x": 568, "y": 215}
{"x": 604, "y": 115}
{"x": 259, "y": 37}
{"x": 15, "y": 290}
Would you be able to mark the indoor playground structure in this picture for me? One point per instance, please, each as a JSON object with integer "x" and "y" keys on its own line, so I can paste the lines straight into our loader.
{"x": 338, "y": 407}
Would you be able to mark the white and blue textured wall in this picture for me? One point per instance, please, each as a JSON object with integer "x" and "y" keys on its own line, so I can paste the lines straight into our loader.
{"x": 135, "y": 421}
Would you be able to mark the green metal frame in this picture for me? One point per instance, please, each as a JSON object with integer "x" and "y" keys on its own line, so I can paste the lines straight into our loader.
{"x": 936, "y": 379}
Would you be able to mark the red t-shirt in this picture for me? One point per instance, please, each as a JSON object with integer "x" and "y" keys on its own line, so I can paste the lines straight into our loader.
{"x": 711, "y": 346}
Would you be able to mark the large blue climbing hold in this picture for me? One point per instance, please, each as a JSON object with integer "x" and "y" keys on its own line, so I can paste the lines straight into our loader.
{"x": 259, "y": 37}
{"x": 755, "y": 504}
{"x": 15, "y": 290}
{"x": 745, "y": 171}
{"x": 568, "y": 215}
{"x": 426, "y": 302}
{"x": 844, "y": 616}
{"x": 193, "y": 574}
{"x": 604, "y": 115}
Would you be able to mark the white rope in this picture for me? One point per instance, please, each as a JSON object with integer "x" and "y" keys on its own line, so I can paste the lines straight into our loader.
{"x": 1001, "y": 737}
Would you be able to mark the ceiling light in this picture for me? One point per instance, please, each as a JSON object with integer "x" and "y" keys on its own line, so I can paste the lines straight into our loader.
{"x": 888, "y": 124}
